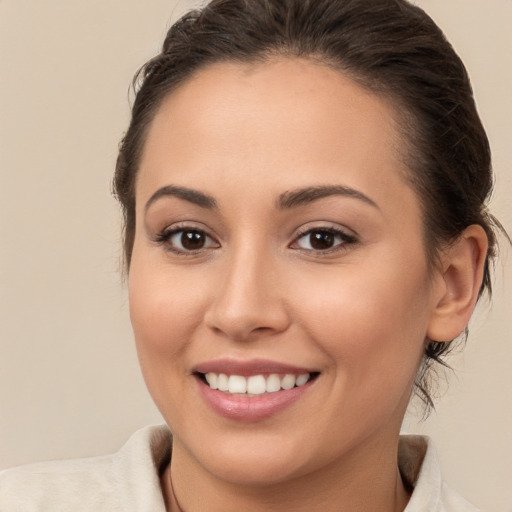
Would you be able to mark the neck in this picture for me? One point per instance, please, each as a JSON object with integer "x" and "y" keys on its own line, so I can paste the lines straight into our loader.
{"x": 366, "y": 481}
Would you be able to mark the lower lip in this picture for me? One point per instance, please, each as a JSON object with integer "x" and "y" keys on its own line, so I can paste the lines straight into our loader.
{"x": 255, "y": 408}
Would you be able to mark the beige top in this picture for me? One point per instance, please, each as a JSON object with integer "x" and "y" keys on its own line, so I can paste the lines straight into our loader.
{"x": 129, "y": 480}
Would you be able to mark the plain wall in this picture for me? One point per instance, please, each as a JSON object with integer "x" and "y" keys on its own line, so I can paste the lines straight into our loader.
{"x": 69, "y": 379}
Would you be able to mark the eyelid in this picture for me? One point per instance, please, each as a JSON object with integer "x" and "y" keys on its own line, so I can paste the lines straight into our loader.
{"x": 347, "y": 236}
{"x": 164, "y": 236}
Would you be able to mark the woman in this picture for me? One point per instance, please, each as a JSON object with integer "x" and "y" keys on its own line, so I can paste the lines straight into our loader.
{"x": 304, "y": 187}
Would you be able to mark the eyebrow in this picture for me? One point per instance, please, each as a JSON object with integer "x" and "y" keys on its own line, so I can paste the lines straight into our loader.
{"x": 287, "y": 200}
{"x": 187, "y": 194}
{"x": 303, "y": 196}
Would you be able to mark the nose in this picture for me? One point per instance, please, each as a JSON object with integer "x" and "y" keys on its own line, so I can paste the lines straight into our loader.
{"x": 250, "y": 300}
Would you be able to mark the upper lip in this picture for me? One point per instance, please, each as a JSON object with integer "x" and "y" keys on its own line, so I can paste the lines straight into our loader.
{"x": 250, "y": 367}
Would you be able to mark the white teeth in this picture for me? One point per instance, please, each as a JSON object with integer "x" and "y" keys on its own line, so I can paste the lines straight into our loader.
{"x": 211, "y": 378}
{"x": 302, "y": 379}
{"x": 222, "y": 382}
{"x": 237, "y": 384}
{"x": 273, "y": 383}
{"x": 255, "y": 384}
{"x": 288, "y": 381}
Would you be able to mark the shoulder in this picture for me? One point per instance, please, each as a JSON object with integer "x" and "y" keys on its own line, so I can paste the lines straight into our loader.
{"x": 419, "y": 466}
{"x": 108, "y": 483}
{"x": 58, "y": 485}
{"x": 452, "y": 501}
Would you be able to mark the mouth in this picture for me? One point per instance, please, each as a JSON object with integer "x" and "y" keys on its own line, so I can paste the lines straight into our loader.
{"x": 252, "y": 390}
{"x": 255, "y": 385}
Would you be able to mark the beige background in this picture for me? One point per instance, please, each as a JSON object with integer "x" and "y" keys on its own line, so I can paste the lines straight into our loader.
{"x": 69, "y": 379}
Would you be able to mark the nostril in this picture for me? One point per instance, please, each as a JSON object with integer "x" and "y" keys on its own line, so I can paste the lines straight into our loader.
{"x": 262, "y": 329}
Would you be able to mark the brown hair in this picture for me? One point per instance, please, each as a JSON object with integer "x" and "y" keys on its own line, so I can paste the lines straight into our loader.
{"x": 388, "y": 46}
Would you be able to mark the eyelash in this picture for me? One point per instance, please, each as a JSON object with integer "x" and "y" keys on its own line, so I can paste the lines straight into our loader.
{"x": 164, "y": 238}
{"x": 345, "y": 239}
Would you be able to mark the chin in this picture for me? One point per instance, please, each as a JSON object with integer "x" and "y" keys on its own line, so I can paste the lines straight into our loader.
{"x": 264, "y": 470}
{"x": 275, "y": 459}
{"x": 252, "y": 460}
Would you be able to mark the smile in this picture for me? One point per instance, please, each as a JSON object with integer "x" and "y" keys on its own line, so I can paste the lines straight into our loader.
{"x": 252, "y": 390}
{"x": 255, "y": 384}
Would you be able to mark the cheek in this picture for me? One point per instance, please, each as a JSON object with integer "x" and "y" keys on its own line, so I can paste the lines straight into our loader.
{"x": 370, "y": 320}
{"x": 165, "y": 310}
{"x": 164, "y": 306}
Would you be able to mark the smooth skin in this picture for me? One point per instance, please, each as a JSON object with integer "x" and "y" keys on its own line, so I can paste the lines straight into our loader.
{"x": 242, "y": 140}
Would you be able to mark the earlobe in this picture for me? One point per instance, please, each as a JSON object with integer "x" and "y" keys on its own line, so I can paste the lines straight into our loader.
{"x": 460, "y": 279}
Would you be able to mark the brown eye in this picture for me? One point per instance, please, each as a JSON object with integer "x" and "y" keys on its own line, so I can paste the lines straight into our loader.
{"x": 188, "y": 240}
{"x": 192, "y": 240}
{"x": 323, "y": 240}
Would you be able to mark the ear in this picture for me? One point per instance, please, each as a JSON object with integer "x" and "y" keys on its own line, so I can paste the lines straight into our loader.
{"x": 458, "y": 284}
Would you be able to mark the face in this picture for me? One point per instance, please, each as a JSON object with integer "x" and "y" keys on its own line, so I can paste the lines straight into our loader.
{"x": 278, "y": 255}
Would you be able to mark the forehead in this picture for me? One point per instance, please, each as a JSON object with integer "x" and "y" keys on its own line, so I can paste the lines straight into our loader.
{"x": 284, "y": 121}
